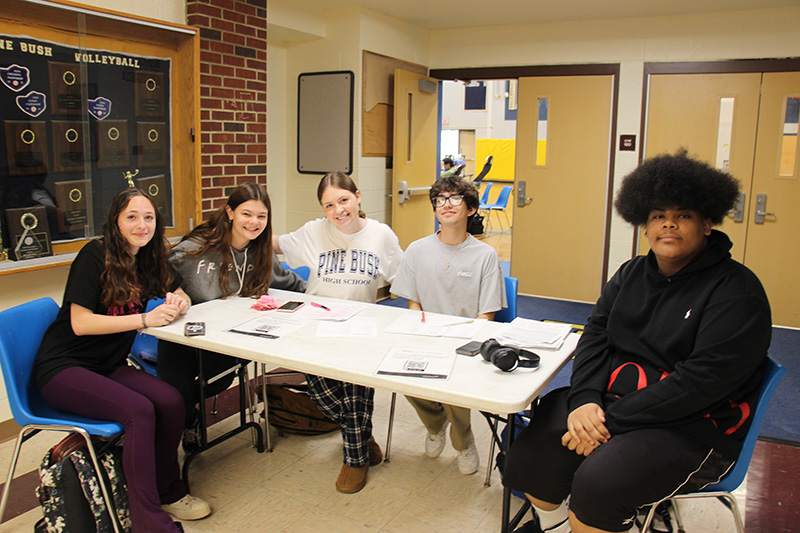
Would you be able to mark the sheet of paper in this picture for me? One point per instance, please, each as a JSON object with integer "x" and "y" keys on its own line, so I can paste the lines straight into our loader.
{"x": 436, "y": 325}
{"x": 336, "y": 312}
{"x": 269, "y": 326}
{"x": 355, "y": 327}
{"x": 528, "y": 333}
{"x": 417, "y": 363}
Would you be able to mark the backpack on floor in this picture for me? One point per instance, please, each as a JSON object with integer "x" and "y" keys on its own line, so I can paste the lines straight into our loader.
{"x": 70, "y": 494}
{"x": 293, "y": 411}
{"x": 475, "y": 225}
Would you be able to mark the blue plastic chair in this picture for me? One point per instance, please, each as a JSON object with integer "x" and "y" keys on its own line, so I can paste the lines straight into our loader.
{"x": 509, "y": 313}
{"x": 302, "y": 271}
{"x": 484, "y": 203}
{"x": 500, "y": 205}
{"x": 21, "y": 331}
{"x": 773, "y": 373}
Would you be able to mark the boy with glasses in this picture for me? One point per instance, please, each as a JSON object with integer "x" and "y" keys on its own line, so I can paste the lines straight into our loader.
{"x": 453, "y": 273}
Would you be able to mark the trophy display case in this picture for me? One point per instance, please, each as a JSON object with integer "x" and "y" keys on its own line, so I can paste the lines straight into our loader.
{"x": 92, "y": 101}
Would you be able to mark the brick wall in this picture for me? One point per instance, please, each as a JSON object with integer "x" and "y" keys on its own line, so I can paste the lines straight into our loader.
{"x": 233, "y": 94}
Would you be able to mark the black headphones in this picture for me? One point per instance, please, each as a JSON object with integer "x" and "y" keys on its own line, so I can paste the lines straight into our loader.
{"x": 508, "y": 358}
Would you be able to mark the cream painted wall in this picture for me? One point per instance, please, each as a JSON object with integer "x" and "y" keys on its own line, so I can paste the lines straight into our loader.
{"x": 347, "y": 33}
{"x": 164, "y": 10}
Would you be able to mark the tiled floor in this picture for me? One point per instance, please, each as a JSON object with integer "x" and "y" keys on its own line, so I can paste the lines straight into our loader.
{"x": 292, "y": 488}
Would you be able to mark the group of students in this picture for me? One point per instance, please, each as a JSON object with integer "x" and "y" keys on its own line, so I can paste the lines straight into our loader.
{"x": 670, "y": 358}
{"x": 82, "y": 365}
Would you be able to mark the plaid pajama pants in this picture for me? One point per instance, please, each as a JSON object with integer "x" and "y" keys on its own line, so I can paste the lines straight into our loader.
{"x": 350, "y": 406}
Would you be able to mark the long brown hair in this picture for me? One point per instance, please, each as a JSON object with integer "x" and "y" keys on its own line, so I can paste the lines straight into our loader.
{"x": 127, "y": 277}
{"x": 339, "y": 180}
{"x": 214, "y": 236}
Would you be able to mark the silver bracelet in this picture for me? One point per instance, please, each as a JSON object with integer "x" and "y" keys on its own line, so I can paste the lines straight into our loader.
{"x": 144, "y": 316}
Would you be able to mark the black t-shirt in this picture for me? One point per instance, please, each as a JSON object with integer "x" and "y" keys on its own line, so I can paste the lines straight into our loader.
{"x": 61, "y": 348}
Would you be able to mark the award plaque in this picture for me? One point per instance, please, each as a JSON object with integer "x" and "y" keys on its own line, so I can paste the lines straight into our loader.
{"x": 71, "y": 204}
{"x": 30, "y": 236}
{"x": 149, "y": 94}
{"x": 155, "y": 187}
{"x": 26, "y": 147}
{"x": 65, "y": 88}
{"x": 151, "y": 144}
{"x": 68, "y": 155}
{"x": 113, "y": 150}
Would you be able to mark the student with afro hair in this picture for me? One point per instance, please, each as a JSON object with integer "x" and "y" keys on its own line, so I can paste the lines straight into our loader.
{"x": 667, "y": 369}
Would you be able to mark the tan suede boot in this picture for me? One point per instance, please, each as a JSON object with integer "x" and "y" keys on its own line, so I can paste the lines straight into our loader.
{"x": 375, "y": 453}
{"x": 352, "y": 478}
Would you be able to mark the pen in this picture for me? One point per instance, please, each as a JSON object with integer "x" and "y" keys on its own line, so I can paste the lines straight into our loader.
{"x": 315, "y": 304}
{"x": 457, "y": 322}
{"x": 423, "y": 317}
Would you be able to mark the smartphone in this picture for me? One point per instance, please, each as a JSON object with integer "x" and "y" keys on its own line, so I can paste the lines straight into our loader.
{"x": 290, "y": 307}
{"x": 470, "y": 349}
{"x": 194, "y": 329}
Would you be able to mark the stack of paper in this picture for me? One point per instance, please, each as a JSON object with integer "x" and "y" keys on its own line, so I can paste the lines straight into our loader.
{"x": 436, "y": 325}
{"x": 417, "y": 363}
{"x": 527, "y": 333}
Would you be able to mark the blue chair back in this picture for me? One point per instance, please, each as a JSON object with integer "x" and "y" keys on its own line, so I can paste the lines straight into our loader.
{"x": 509, "y": 313}
{"x": 145, "y": 347}
{"x": 302, "y": 271}
{"x": 502, "y": 198}
{"x": 21, "y": 331}
{"x": 773, "y": 373}
{"x": 485, "y": 197}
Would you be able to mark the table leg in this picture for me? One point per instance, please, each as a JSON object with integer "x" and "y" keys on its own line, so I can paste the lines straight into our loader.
{"x": 510, "y": 430}
{"x": 266, "y": 407}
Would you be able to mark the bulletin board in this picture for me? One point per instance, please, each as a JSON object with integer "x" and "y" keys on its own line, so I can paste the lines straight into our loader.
{"x": 325, "y": 122}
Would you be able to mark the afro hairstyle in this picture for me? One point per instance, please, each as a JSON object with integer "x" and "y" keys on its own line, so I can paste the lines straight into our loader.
{"x": 678, "y": 180}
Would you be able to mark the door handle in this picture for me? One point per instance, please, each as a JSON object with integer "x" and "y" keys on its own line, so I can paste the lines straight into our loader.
{"x": 738, "y": 208}
{"x": 522, "y": 200}
{"x": 761, "y": 209}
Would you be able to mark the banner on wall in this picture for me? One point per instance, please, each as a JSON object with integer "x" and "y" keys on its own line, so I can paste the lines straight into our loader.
{"x": 85, "y": 118}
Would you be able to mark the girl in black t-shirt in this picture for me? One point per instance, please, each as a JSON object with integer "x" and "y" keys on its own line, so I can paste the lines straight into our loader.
{"x": 82, "y": 366}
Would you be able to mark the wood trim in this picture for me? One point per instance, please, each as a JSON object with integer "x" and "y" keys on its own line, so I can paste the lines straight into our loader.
{"x": 9, "y": 429}
{"x": 532, "y": 71}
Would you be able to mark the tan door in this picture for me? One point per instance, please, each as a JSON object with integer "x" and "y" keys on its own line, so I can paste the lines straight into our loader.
{"x": 415, "y": 141}
{"x": 557, "y": 242}
{"x": 694, "y": 111}
{"x": 466, "y": 147}
{"x": 773, "y": 247}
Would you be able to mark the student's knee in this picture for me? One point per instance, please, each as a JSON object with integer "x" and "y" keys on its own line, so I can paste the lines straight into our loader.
{"x": 601, "y": 498}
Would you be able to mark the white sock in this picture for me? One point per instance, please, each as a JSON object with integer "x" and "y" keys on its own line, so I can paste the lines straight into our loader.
{"x": 555, "y": 521}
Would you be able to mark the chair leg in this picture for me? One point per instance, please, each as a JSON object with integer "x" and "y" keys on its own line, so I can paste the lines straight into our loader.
{"x": 214, "y": 405}
{"x": 649, "y": 519}
{"x": 112, "y": 513}
{"x": 735, "y": 509}
{"x": 391, "y": 424}
{"x": 487, "y": 482}
{"x": 11, "y": 468}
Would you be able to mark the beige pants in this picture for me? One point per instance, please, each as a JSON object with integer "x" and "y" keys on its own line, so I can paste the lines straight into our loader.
{"x": 434, "y": 415}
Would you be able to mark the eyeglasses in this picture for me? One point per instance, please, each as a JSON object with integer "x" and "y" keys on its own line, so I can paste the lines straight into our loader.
{"x": 455, "y": 200}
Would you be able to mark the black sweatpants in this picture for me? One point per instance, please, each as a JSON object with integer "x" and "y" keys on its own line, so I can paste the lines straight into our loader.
{"x": 629, "y": 471}
{"x": 178, "y": 366}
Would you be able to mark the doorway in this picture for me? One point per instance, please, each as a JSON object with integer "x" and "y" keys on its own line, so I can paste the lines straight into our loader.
{"x": 745, "y": 123}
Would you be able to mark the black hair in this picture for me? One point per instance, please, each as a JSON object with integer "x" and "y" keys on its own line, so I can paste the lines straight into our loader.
{"x": 456, "y": 185}
{"x": 448, "y": 161}
{"x": 677, "y": 180}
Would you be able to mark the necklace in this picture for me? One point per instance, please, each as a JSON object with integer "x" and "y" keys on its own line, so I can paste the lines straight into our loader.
{"x": 239, "y": 271}
{"x": 446, "y": 247}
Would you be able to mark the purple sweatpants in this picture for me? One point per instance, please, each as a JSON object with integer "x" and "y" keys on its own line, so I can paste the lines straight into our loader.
{"x": 151, "y": 411}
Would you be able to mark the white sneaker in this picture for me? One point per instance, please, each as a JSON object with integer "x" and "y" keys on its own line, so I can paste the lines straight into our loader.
{"x": 188, "y": 508}
{"x": 434, "y": 443}
{"x": 468, "y": 460}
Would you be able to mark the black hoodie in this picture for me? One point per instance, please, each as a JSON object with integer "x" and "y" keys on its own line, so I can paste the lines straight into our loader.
{"x": 684, "y": 351}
